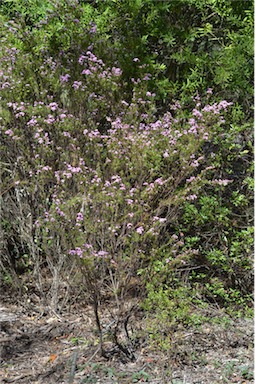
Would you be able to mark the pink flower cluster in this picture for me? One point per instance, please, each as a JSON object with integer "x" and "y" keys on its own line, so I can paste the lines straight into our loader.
{"x": 87, "y": 251}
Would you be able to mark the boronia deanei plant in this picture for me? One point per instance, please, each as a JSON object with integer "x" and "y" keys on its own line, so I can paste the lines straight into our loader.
{"x": 107, "y": 195}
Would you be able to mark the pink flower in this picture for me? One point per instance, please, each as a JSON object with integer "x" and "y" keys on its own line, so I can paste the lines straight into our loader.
{"x": 147, "y": 77}
{"x": 81, "y": 59}
{"x": 32, "y": 122}
{"x": 222, "y": 182}
{"x": 46, "y": 168}
{"x": 76, "y": 84}
{"x": 88, "y": 246}
{"x": 192, "y": 178}
{"x": 64, "y": 78}
{"x": 197, "y": 113}
{"x": 191, "y": 197}
{"x": 53, "y": 106}
{"x": 86, "y": 72}
{"x": 159, "y": 219}
{"x": 77, "y": 251}
{"x": 50, "y": 119}
{"x": 19, "y": 114}
{"x": 59, "y": 212}
{"x": 159, "y": 181}
{"x": 102, "y": 253}
{"x": 93, "y": 29}
{"x": 140, "y": 230}
{"x": 6, "y": 85}
{"x": 9, "y": 132}
{"x": 195, "y": 163}
{"x": 116, "y": 71}
{"x": 79, "y": 217}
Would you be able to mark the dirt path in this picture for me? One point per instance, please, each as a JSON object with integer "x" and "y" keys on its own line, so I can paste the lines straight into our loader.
{"x": 44, "y": 348}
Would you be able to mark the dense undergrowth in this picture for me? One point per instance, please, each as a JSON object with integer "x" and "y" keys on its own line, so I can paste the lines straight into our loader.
{"x": 126, "y": 153}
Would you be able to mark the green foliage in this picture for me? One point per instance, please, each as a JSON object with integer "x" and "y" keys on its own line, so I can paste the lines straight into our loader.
{"x": 140, "y": 376}
{"x": 105, "y": 172}
{"x": 185, "y": 45}
{"x": 196, "y": 44}
{"x": 31, "y": 11}
{"x": 172, "y": 308}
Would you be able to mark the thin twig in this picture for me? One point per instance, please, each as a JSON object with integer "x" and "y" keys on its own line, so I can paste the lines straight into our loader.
{"x": 73, "y": 367}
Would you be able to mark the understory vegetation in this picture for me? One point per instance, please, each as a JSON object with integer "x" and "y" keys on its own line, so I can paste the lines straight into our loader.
{"x": 126, "y": 157}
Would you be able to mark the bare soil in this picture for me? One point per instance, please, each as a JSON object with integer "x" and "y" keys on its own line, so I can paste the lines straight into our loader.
{"x": 40, "y": 346}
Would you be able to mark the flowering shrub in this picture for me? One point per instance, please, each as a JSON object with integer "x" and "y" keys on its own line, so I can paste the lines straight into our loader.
{"x": 101, "y": 186}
